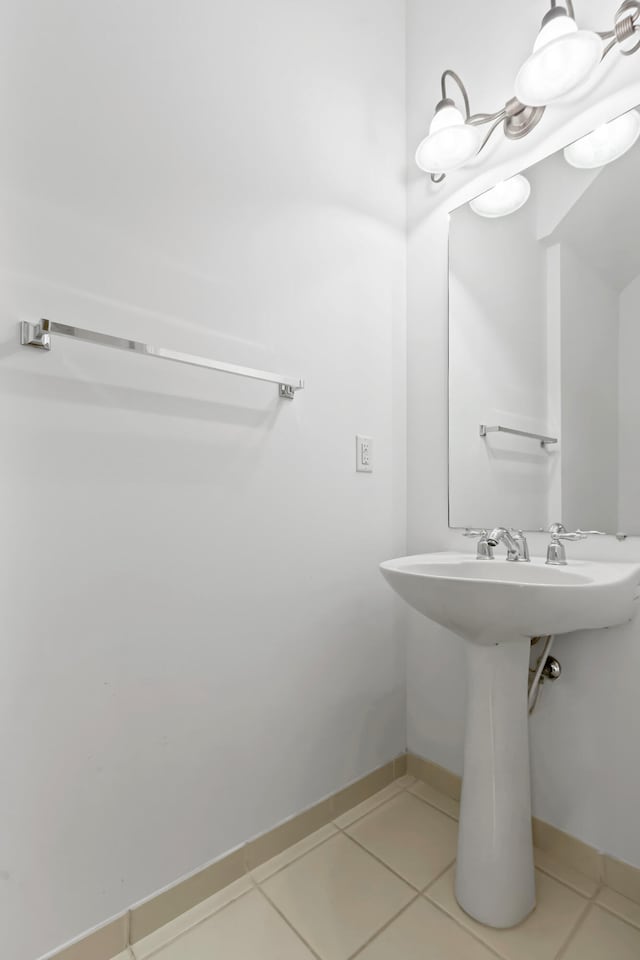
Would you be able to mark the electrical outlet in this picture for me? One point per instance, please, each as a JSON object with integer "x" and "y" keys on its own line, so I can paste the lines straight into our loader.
{"x": 364, "y": 454}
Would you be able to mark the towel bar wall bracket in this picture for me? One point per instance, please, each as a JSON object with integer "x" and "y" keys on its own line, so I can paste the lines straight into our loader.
{"x": 32, "y": 335}
{"x": 39, "y": 335}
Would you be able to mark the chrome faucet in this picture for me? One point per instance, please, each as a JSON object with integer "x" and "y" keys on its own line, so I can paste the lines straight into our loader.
{"x": 556, "y": 552}
{"x": 523, "y": 546}
{"x": 514, "y": 540}
{"x": 484, "y": 551}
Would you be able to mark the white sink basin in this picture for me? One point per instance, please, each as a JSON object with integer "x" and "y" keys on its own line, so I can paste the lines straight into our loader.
{"x": 497, "y": 606}
{"x": 487, "y": 601}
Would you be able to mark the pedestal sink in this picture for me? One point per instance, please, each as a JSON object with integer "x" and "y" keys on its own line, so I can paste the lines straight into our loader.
{"x": 497, "y": 607}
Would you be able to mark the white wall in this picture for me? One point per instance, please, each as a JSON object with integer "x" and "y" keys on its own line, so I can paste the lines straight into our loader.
{"x": 629, "y": 407}
{"x": 589, "y": 376}
{"x": 586, "y": 778}
{"x": 553, "y": 311}
{"x": 497, "y": 370}
{"x": 196, "y": 642}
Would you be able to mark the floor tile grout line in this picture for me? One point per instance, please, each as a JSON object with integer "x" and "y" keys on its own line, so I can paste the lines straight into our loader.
{"x": 198, "y": 923}
{"x": 375, "y": 807}
{"x": 288, "y": 922}
{"x": 574, "y": 931}
{"x": 332, "y": 821}
{"x": 381, "y": 862}
{"x": 289, "y": 863}
{"x": 400, "y": 789}
{"x": 568, "y": 885}
{"x": 612, "y": 913}
{"x": 461, "y": 926}
{"x": 338, "y": 829}
{"x": 433, "y": 805}
{"x": 384, "y": 864}
{"x": 384, "y": 927}
{"x": 414, "y": 889}
{"x": 435, "y": 879}
{"x": 625, "y": 896}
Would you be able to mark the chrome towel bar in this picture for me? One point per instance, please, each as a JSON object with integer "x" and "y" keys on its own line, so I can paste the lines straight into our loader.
{"x": 39, "y": 335}
{"x": 484, "y": 430}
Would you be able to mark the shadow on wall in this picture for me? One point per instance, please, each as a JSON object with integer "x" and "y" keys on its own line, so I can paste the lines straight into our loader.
{"x": 56, "y": 389}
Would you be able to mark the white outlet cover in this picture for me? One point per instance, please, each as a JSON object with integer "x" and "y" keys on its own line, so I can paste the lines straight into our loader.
{"x": 364, "y": 454}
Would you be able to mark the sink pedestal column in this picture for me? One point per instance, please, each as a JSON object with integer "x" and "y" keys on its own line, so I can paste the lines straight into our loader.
{"x": 495, "y": 880}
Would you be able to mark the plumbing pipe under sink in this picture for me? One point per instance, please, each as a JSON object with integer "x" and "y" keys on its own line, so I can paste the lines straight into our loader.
{"x": 535, "y": 683}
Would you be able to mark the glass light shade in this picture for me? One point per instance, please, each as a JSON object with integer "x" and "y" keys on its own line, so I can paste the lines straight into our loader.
{"x": 451, "y": 142}
{"x": 505, "y": 198}
{"x": 555, "y": 28}
{"x": 606, "y": 143}
{"x": 448, "y": 116}
{"x": 562, "y": 58}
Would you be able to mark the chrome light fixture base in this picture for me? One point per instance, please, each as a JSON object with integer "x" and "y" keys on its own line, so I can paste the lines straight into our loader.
{"x": 520, "y": 119}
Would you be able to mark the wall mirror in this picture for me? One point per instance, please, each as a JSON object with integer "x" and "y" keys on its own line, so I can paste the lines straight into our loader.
{"x": 544, "y": 342}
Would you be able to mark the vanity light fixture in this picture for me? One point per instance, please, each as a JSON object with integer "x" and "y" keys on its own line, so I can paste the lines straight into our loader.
{"x": 606, "y": 143}
{"x": 563, "y": 58}
{"x": 505, "y": 198}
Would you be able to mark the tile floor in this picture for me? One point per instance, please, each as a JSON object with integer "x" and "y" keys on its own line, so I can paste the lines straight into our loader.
{"x": 378, "y": 885}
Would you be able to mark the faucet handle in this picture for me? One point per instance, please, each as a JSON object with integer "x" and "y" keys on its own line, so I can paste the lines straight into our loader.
{"x": 556, "y": 528}
{"x": 484, "y": 550}
{"x": 556, "y": 553}
{"x": 578, "y": 535}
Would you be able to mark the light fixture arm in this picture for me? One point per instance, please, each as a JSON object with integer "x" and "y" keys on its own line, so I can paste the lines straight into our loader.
{"x": 569, "y": 6}
{"x": 479, "y": 118}
{"x": 463, "y": 90}
{"x": 499, "y": 118}
{"x": 473, "y": 118}
{"x": 626, "y": 26}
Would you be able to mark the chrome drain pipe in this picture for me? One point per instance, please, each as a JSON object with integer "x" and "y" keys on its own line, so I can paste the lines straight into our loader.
{"x": 553, "y": 673}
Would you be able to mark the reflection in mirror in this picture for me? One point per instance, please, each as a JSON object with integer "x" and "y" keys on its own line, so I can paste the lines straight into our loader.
{"x": 544, "y": 338}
